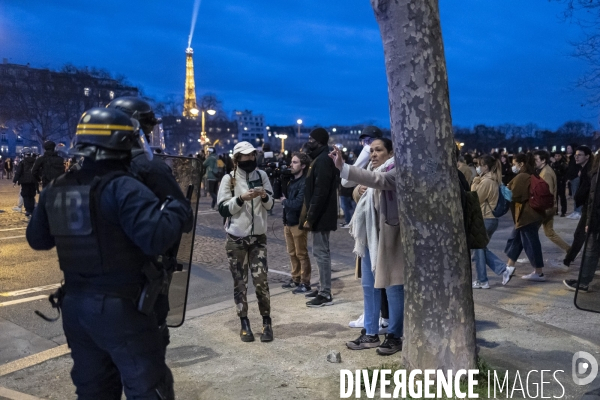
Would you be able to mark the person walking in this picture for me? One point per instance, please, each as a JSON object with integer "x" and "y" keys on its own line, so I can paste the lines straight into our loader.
{"x": 543, "y": 168}
{"x": 8, "y": 167}
{"x": 244, "y": 197}
{"x": 212, "y": 176}
{"x": 526, "y": 220}
{"x": 104, "y": 249}
{"x": 486, "y": 184}
{"x": 24, "y": 177}
{"x": 296, "y": 240}
{"x": 375, "y": 228}
{"x": 591, "y": 215}
{"x": 49, "y": 166}
{"x": 319, "y": 211}
{"x": 559, "y": 166}
{"x": 572, "y": 176}
{"x": 583, "y": 155}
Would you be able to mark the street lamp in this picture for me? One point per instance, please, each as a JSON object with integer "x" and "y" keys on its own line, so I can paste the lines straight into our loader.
{"x": 195, "y": 112}
{"x": 299, "y": 122}
{"x": 283, "y": 137}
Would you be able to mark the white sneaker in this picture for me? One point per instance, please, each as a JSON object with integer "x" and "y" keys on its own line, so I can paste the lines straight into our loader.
{"x": 558, "y": 264}
{"x": 507, "y": 274}
{"x": 523, "y": 260}
{"x": 534, "y": 277}
{"x": 17, "y": 209}
{"x": 574, "y": 215}
{"x": 479, "y": 285}
{"x": 577, "y": 216}
{"x": 358, "y": 323}
{"x": 383, "y": 326}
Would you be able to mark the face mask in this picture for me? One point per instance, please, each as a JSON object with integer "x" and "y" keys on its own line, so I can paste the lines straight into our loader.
{"x": 247, "y": 166}
{"x": 515, "y": 169}
{"x": 478, "y": 169}
{"x": 312, "y": 145}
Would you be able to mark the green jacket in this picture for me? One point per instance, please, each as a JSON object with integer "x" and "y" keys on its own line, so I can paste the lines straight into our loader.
{"x": 211, "y": 166}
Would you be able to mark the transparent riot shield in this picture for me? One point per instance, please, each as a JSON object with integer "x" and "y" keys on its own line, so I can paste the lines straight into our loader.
{"x": 589, "y": 275}
{"x": 186, "y": 171}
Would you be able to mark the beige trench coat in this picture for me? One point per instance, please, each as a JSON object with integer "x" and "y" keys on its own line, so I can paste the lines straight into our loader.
{"x": 389, "y": 270}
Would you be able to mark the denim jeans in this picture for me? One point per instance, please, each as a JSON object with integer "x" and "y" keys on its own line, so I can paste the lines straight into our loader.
{"x": 526, "y": 237}
{"x": 574, "y": 187}
{"x": 323, "y": 256}
{"x": 372, "y": 296}
{"x": 395, "y": 295}
{"x": 348, "y": 206}
{"x": 485, "y": 256}
{"x": 372, "y": 301}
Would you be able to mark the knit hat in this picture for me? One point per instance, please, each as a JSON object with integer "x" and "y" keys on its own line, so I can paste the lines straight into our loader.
{"x": 371, "y": 131}
{"x": 320, "y": 135}
{"x": 49, "y": 145}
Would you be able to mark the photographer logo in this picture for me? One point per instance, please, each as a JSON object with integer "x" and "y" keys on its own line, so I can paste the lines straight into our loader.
{"x": 584, "y": 363}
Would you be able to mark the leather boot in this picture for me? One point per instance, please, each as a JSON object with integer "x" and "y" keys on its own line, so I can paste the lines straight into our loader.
{"x": 267, "y": 333}
{"x": 246, "y": 333}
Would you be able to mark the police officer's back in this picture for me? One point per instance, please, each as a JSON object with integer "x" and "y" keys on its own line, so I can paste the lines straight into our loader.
{"x": 107, "y": 226}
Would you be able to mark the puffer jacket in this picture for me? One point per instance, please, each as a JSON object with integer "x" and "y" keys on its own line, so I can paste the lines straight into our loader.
{"x": 245, "y": 218}
{"x": 292, "y": 205}
{"x": 23, "y": 173}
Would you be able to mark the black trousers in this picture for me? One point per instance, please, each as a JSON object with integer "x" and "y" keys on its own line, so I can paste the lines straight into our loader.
{"x": 578, "y": 237}
{"x": 591, "y": 258}
{"x": 114, "y": 346}
{"x": 28, "y": 192}
{"x": 561, "y": 197}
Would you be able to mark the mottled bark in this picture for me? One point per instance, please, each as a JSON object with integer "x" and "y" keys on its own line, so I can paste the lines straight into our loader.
{"x": 439, "y": 325}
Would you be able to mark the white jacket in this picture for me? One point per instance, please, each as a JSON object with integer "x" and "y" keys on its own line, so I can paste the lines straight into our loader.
{"x": 249, "y": 217}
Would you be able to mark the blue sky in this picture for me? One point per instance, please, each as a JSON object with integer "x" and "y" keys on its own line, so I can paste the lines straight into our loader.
{"x": 508, "y": 60}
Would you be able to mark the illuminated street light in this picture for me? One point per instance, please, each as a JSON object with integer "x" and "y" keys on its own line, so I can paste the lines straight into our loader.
{"x": 283, "y": 137}
{"x": 334, "y": 130}
{"x": 299, "y": 122}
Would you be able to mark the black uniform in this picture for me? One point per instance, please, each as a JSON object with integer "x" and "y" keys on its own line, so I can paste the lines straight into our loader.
{"x": 48, "y": 167}
{"x": 29, "y": 185}
{"x": 106, "y": 227}
{"x": 158, "y": 177}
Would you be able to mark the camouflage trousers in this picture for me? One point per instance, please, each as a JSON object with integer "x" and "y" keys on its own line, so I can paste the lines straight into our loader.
{"x": 243, "y": 253}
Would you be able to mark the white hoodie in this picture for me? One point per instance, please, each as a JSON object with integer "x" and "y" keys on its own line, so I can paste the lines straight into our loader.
{"x": 249, "y": 218}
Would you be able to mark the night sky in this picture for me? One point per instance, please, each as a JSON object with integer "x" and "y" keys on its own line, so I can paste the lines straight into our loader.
{"x": 508, "y": 60}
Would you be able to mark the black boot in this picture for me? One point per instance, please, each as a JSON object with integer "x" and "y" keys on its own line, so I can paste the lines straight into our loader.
{"x": 246, "y": 333}
{"x": 267, "y": 333}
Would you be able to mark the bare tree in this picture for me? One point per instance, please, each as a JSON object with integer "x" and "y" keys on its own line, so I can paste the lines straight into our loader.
{"x": 439, "y": 327}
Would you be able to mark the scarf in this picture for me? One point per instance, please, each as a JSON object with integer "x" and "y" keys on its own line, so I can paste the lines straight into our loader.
{"x": 363, "y": 226}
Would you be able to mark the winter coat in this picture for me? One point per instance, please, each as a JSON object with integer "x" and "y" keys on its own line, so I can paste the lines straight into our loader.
{"x": 572, "y": 168}
{"x": 548, "y": 175}
{"x": 583, "y": 191}
{"x": 487, "y": 191}
{"x": 507, "y": 173}
{"x": 245, "y": 218}
{"x": 292, "y": 205}
{"x": 211, "y": 167}
{"x": 23, "y": 173}
{"x": 560, "y": 170}
{"x": 593, "y": 211}
{"x": 464, "y": 168}
{"x": 522, "y": 212}
{"x": 390, "y": 259}
{"x": 320, "y": 207}
{"x": 48, "y": 167}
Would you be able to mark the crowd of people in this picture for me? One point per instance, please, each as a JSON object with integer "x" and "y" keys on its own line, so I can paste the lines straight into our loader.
{"x": 115, "y": 216}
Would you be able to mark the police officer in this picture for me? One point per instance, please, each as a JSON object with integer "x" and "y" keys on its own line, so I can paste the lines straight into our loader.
{"x": 24, "y": 177}
{"x": 158, "y": 177}
{"x": 107, "y": 227}
{"x": 49, "y": 166}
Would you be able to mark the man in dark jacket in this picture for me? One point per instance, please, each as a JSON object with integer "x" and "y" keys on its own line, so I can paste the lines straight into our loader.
{"x": 49, "y": 166}
{"x": 559, "y": 166}
{"x": 296, "y": 238}
{"x": 25, "y": 178}
{"x": 583, "y": 155}
{"x": 320, "y": 211}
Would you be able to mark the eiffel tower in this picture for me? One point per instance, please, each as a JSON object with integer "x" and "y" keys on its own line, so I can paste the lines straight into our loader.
{"x": 190, "y": 87}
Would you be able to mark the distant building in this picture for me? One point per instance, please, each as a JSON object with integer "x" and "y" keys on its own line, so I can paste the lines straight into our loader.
{"x": 62, "y": 96}
{"x": 251, "y": 128}
{"x": 182, "y": 135}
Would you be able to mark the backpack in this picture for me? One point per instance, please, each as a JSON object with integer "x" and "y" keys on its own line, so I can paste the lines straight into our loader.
{"x": 540, "y": 198}
{"x": 504, "y": 199}
{"x": 477, "y": 237}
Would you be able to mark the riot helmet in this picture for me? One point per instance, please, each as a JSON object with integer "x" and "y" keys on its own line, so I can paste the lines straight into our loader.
{"x": 104, "y": 133}
{"x": 138, "y": 109}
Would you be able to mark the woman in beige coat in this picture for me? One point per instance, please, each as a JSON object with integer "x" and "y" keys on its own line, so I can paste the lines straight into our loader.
{"x": 376, "y": 230}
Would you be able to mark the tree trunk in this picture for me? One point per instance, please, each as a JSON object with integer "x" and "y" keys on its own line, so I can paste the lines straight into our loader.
{"x": 439, "y": 325}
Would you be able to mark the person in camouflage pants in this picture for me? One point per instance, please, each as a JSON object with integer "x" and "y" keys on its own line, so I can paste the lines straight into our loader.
{"x": 245, "y": 253}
